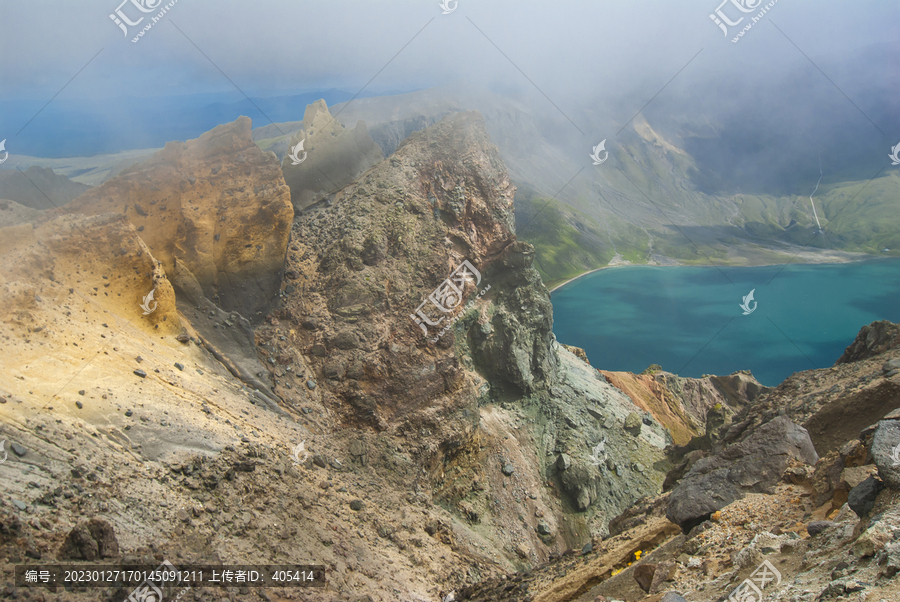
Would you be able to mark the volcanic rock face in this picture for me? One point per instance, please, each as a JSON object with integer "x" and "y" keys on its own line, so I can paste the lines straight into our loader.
{"x": 682, "y": 404}
{"x": 480, "y": 394}
{"x": 873, "y": 339}
{"x": 331, "y": 156}
{"x": 216, "y": 205}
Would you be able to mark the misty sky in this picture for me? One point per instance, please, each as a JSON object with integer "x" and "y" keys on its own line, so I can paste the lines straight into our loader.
{"x": 566, "y": 48}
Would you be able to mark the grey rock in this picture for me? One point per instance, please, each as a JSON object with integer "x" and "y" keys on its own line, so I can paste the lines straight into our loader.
{"x": 884, "y": 444}
{"x": 587, "y": 548}
{"x": 19, "y": 504}
{"x": 79, "y": 405}
{"x": 356, "y": 505}
{"x": 817, "y": 526}
{"x": 563, "y": 462}
{"x": 319, "y": 461}
{"x": 672, "y": 597}
{"x": 891, "y": 365}
{"x": 862, "y": 497}
{"x": 179, "y": 366}
{"x": 633, "y": 424}
{"x": 543, "y": 529}
{"x": 508, "y": 469}
{"x": 754, "y": 465}
{"x": 311, "y": 384}
{"x": 17, "y": 449}
{"x": 140, "y": 373}
{"x": 346, "y": 340}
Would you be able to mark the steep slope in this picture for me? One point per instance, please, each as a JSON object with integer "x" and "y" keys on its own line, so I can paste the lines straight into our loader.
{"x": 217, "y": 206}
{"x": 823, "y": 528}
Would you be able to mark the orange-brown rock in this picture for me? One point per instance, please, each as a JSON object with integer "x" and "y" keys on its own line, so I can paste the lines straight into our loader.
{"x": 218, "y": 205}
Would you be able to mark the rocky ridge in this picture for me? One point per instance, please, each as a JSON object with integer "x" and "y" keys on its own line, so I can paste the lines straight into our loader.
{"x": 466, "y": 463}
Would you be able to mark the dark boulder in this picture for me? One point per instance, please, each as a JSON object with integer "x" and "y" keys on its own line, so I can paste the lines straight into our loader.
{"x": 90, "y": 541}
{"x": 754, "y": 465}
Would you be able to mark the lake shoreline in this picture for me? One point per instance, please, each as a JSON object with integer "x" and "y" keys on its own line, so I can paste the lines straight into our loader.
{"x": 835, "y": 257}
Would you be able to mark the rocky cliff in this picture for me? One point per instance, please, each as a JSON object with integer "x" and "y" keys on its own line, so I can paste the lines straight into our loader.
{"x": 328, "y": 156}
{"x": 216, "y": 206}
{"x": 401, "y": 413}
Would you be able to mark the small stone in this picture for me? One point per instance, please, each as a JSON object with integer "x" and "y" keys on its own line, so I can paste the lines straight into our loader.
{"x": 19, "y": 504}
{"x": 81, "y": 392}
{"x": 319, "y": 461}
{"x": 356, "y": 505}
{"x": 139, "y": 359}
{"x": 79, "y": 405}
{"x": 862, "y": 497}
{"x": 182, "y": 515}
{"x": 311, "y": 384}
{"x": 179, "y": 366}
{"x": 522, "y": 551}
{"x": 563, "y": 462}
{"x": 183, "y": 337}
{"x": 140, "y": 373}
{"x": 633, "y": 424}
{"x": 508, "y": 469}
{"x": 543, "y": 529}
{"x": 891, "y": 365}
{"x": 587, "y": 548}
{"x": 643, "y": 574}
{"x": 245, "y": 440}
{"x": 129, "y": 413}
{"x": 817, "y": 526}
{"x": 853, "y": 586}
{"x": 17, "y": 449}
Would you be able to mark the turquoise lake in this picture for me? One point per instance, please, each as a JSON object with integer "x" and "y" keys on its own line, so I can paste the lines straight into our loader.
{"x": 688, "y": 319}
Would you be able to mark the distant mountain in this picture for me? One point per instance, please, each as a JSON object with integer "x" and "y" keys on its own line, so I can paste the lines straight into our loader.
{"x": 89, "y": 127}
{"x": 655, "y": 200}
{"x": 38, "y": 188}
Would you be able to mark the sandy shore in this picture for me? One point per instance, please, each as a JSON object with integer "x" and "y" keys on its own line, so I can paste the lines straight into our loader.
{"x": 801, "y": 258}
{"x": 561, "y": 284}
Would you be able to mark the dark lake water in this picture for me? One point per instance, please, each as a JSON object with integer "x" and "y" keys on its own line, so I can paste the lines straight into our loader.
{"x": 688, "y": 319}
